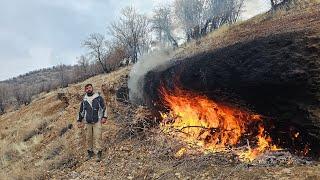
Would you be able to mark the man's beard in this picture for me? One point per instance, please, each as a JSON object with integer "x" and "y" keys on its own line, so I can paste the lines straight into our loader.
{"x": 90, "y": 93}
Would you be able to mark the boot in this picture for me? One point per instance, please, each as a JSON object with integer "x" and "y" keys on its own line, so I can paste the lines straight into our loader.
{"x": 99, "y": 156}
{"x": 90, "y": 154}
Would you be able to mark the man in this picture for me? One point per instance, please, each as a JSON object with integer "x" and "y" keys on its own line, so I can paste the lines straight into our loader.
{"x": 93, "y": 110}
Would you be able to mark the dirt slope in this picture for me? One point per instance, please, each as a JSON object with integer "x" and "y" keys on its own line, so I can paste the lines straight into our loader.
{"x": 38, "y": 142}
{"x": 32, "y": 148}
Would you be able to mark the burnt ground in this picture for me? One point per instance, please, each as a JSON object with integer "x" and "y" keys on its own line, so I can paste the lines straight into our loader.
{"x": 276, "y": 76}
{"x": 134, "y": 148}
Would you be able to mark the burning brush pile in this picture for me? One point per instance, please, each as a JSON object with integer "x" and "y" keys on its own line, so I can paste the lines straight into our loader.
{"x": 210, "y": 127}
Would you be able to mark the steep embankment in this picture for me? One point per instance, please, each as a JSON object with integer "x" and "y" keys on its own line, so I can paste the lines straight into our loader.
{"x": 39, "y": 142}
{"x": 273, "y": 72}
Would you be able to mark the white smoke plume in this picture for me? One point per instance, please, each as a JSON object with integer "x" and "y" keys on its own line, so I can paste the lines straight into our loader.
{"x": 145, "y": 64}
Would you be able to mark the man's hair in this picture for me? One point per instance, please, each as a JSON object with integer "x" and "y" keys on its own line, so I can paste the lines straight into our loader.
{"x": 87, "y": 85}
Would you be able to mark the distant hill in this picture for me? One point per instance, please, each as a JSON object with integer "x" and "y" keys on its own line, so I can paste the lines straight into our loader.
{"x": 40, "y": 76}
{"x": 22, "y": 89}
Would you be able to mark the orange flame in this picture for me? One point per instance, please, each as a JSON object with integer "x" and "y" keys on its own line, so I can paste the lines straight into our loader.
{"x": 210, "y": 125}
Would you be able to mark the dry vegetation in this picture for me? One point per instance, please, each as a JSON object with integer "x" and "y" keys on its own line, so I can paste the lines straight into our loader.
{"x": 38, "y": 141}
{"x": 40, "y": 133}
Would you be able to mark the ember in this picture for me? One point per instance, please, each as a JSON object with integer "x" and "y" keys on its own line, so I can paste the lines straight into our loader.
{"x": 213, "y": 127}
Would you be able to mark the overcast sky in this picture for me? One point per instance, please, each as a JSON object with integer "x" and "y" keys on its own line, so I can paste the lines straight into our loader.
{"x": 36, "y": 34}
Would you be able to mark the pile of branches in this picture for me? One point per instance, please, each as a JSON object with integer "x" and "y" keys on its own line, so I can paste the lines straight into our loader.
{"x": 136, "y": 121}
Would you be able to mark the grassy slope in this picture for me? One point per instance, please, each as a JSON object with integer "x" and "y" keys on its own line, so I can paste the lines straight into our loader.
{"x": 40, "y": 124}
{"x": 47, "y": 154}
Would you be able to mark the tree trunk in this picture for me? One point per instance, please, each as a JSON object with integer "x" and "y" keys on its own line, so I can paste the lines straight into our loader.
{"x": 104, "y": 68}
{"x": 204, "y": 29}
{"x": 272, "y": 4}
{"x": 173, "y": 42}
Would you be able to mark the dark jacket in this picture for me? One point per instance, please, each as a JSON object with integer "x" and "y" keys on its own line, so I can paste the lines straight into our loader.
{"x": 92, "y": 109}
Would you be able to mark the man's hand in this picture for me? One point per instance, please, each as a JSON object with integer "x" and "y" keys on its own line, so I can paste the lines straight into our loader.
{"x": 80, "y": 125}
{"x": 103, "y": 120}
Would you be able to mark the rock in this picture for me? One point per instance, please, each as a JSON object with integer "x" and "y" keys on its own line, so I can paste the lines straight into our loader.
{"x": 178, "y": 175}
{"x": 74, "y": 174}
{"x": 286, "y": 171}
{"x": 130, "y": 177}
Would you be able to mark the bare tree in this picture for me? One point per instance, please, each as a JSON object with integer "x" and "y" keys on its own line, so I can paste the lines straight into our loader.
{"x": 273, "y": 3}
{"x": 96, "y": 44}
{"x": 63, "y": 76}
{"x": 82, "y": 70}
{"x": 132, "y": 31}
{"x": 45, "y": 87}
{"x": 116, "y": 55}
{"x": 277, "y": 4}
{"x": 83, "y": 62}
{"x": 190, "y": 14}
{"x": 94, "y": 68}
{"x": 199, "y": 17}
{"x": 220, "y": 12}
{"x": 22, "y": 94}
{"x": 163, "y": 25}
{"x": 3, "y": 97}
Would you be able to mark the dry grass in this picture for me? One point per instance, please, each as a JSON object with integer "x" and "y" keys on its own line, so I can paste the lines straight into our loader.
{"x": 32, "y": 143}
{"x": 148, "y": 155}
{"x": 31, "y": 146}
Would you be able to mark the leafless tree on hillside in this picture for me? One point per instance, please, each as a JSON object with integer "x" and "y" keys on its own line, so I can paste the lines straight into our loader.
{"x": 82, "y": 69}
{"x": 277, "y": 4}
{"x": 83, "y": 63}
{"x": 22, "y": 94}
{"x": 3, "y": 97}
{"x": 45, "y": 87}
{"x": 199, "y": 17}
{"x": 96, "y": 44}
{"x": 220, "y": 12}
{"x": 132, "y": 31}
{"x": 162, "y": 23}
{"x": 116, "y": 55}
{"x": 63, "y": 76}
{"x": 190, "y": 14}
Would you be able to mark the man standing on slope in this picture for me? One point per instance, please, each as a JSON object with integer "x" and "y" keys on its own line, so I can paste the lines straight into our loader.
{"x": 93, "y": 110}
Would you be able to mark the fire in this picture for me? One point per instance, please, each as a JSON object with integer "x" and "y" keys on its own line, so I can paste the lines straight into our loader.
{"x": 296, "y": 135}
{"x": 181, "y": 152}
{"x": 201, "y": 122}
{"x": 264, "y": 143}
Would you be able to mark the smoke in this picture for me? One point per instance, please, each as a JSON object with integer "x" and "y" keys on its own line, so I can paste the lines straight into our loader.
{"x": 155, "y": 59}
{"x": 254, "y": 7}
